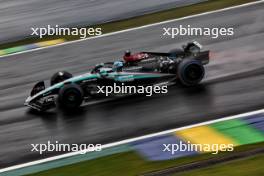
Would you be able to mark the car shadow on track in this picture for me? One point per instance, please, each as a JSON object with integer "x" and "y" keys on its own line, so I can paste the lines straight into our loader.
{"x": 178, "y": 92}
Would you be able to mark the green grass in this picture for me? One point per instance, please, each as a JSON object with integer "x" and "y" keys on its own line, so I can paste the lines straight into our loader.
{"x": 142, "y": 20}
{"x": 245, "y": 167}
{"x": 130, "y": 163}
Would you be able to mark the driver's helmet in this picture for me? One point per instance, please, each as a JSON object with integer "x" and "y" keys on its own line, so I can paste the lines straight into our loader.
{"x": 118, "y": 65}
{"x": 127, "y": 53}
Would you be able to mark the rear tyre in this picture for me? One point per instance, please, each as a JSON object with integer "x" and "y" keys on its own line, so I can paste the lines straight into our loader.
{"x": 70, "y": 97}
{"x": 190, "y": 72}
{"x": 59, "y": 77}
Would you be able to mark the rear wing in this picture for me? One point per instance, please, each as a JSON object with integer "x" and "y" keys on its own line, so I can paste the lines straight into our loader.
{"x": 191, "y": 50}
{"x": 203, "y": 56}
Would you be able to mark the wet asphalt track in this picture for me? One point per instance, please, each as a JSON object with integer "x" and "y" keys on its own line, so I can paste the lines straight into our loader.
{"x": 17, "y": 16}
{"x": 234, "y": 84}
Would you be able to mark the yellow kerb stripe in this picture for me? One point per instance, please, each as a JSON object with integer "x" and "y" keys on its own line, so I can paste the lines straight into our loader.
{"x": 204, "y": 135}
{"x": 2, "y": 53}
{"x": 50, "y": 42}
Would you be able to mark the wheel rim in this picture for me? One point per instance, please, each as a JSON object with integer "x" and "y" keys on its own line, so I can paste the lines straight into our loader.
{"x": 71, "y": 97}
{"x": 194, "y": 72}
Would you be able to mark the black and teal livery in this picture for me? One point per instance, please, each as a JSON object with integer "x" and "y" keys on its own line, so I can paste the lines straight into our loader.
{"x": 84, "y": 87}
{"x": 185, "y": 66}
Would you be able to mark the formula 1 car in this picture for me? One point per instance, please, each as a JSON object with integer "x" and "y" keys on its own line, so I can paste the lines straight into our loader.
{"x": 144, "y": 69}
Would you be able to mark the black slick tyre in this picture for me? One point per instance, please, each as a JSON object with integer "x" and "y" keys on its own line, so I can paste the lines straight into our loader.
{"x": 190, "y": 72}
{"x": 70, "y": 97}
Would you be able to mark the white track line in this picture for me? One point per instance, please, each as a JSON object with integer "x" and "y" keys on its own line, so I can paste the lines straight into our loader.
{"x": 136, "y": 28}
{"x": 131, "y": 140}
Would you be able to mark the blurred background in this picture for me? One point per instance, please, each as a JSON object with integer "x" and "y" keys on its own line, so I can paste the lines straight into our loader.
{"x": 233, "y": 85}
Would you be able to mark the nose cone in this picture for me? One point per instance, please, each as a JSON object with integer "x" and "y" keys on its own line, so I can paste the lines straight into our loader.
{"x": 28, "y": 100}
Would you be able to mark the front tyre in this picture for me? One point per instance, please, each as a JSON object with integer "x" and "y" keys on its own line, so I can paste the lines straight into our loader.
{"x": 190, "y": 72}
{"x": 70, "y": 97}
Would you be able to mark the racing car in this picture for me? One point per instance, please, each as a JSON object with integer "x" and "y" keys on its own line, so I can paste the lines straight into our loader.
{"x": 185, "y": 66}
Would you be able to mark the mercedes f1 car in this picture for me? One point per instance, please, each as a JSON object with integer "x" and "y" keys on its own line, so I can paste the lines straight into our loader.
{"x": 185, "y": 66}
